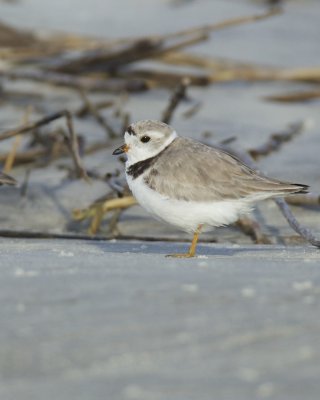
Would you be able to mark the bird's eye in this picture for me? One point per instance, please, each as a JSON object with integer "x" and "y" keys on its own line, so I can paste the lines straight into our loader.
{"x": 145, "y": 139}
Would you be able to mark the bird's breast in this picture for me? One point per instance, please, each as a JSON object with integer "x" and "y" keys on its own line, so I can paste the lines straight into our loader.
{"x": 187, "y": 215}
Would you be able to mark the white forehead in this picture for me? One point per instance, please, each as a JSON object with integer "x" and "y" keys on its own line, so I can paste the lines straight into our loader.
{"x": 154, "y": 134}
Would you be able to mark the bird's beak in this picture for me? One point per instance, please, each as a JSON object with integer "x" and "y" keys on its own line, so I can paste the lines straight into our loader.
{"x": 120, "y": 150}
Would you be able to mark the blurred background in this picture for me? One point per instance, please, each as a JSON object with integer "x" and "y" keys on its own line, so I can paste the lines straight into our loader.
{"x": 251, "y": 69}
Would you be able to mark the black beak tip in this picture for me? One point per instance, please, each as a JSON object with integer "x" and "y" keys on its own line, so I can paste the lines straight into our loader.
{"x": 118, "y": 151}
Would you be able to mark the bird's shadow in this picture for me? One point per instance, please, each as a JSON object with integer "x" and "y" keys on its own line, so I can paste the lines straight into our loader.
{"x": 164, "y": 248}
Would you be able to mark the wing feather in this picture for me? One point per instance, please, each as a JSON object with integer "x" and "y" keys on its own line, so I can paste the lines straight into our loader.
{"x": 192, "y": 171}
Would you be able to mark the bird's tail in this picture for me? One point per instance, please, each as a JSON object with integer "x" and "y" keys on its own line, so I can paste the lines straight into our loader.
{"x": 274, "y": 188}
{"x": 294, "y": 188}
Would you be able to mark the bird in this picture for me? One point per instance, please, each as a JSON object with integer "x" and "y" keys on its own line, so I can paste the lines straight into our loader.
{"x": 191, "y": 185}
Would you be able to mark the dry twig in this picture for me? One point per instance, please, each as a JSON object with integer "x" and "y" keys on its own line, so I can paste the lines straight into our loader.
{"x": 251, "y": 228}
{"x": 192, "y": 110}
{"x": 84, "y": 110}
{"x": 177, "y": 96}
{"x": 125, "y": 52}
{"x": 77, "y": 82}
{"x": 276, "y": 140}
{"x": 71, "y": 139}
{"x": 7, "y": 180}
{"x": 12, "y": 154}
{"x": 98, "y": 117}
{"x": 228, "y": 23}
{"x": 304, "y": 200}
{"x": 156, "y": 78}
{"x": 109, "y": 60}
{"x": 294, "y": 97}
{"x": 295, "y": 224}
{"x": 220, "y": 70}
{"x": 98, "y": 209}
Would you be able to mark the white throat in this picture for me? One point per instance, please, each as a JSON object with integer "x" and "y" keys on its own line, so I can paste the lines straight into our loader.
{"x": 135, "y": 154}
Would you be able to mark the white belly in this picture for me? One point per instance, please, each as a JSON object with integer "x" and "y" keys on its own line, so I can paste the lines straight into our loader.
{"x": 187, "y": 215}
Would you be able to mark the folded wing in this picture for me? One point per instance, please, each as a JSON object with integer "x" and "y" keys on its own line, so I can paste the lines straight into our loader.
{"x": 189, "y": 170}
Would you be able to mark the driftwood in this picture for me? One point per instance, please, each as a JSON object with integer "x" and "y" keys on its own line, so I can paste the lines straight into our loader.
{"x": 155, "y": 78}
{"x": 221, "y": 70}
{"x": 108, "y": 60}
{"x": 48, "y": 154}
{"x": 10, "y": 37}
{"x": 7, "y": 180}
{"x": 98, "y": 117}
{"x": 25, "y": 234}
{"x": 295, "y": 224}
{"x": 71, "y": 138}
{"x": 304, "y": 200}
{"x": 85, "y": 109}
{"x": 178, "y": 95}
{"x": 114, "y": 85}
{"x": 193, "y": 110}
{"x": 130, "y": 51}
{"x": 251, "y": 228}
{"x": 294, "y": 97}
{"x": 276, "y": 140}
{"x": 228, "y": 23}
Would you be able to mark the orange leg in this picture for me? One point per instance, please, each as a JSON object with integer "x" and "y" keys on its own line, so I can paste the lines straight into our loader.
{"x": 192, "y": 248}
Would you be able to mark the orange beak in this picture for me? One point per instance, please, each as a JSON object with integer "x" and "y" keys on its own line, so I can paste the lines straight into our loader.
{"x": 120, "y": 150}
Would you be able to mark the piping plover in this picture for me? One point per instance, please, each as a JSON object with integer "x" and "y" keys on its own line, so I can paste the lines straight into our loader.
{"x": 191, "y": 185}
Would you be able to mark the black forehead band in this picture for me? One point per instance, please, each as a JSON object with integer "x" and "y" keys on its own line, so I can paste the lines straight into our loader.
{"x": 130, "y": 130}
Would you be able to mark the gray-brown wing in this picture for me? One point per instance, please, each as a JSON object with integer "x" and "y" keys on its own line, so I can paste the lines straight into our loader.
{"x": 189, "y": 170}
